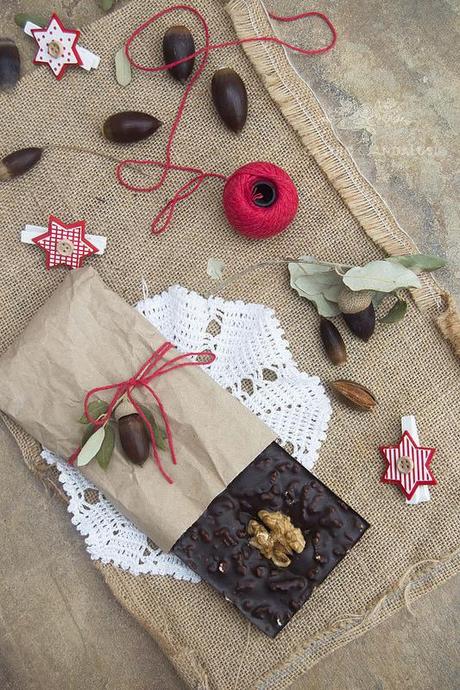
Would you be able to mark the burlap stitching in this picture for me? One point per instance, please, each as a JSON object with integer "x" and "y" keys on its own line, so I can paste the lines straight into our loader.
{"x": 338, "y": 165}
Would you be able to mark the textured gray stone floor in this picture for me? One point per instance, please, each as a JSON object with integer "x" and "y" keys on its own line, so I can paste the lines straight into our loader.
{"x": 391, "y": 90}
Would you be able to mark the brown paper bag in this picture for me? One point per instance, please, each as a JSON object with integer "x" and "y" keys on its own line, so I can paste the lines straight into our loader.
{"x": 86, "y": 336}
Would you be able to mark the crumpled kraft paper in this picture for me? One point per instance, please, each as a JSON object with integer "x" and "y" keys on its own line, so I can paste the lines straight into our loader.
{"x": 86, "y": 336}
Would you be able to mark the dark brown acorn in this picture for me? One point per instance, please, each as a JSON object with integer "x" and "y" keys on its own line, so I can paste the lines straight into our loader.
{"x": 19, "y": 162}
{"x": 332, "y": 341}
{"x": 10, "y": 64}
{"x": 134, "y": 438}
{"x": 177, "y": 44}
{"x": 230, "y": 98}
{"x": 362, "y": 324}
{"x": 130, "y": 126}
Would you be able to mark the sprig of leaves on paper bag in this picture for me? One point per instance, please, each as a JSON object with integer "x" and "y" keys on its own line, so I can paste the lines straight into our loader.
{"x": 98, "y": 443}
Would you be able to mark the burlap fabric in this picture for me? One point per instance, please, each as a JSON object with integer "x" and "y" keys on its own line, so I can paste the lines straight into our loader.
{"x": 410, "y": 367}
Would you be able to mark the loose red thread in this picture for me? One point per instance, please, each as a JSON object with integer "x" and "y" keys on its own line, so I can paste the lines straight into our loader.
{"x": 147, "y": 373}
{"x": 163, "y": 218}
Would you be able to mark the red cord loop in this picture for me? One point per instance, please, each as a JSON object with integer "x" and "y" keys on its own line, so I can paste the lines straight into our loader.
{"x": 164, "y": 217}
{"x": 150, "y": 370}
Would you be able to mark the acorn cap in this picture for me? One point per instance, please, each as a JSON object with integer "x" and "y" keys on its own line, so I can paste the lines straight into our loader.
{"x": 352, "y": 302}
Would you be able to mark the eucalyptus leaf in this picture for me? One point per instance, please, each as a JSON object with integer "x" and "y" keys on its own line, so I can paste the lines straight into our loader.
{"x": 312, "y": 285}
{"x": 104, "y": 455}
{"x": 332, "y": 293}
{"x": 91, "y": 447}
{"x": 123, "y": 70}
{"x": 159, "y": 432}
{"x": 307, "y": 268}
{"x": 314, "y": 279}
{"x": 419, "y": 262}
{"x": 382, "y": 276}
{"x": 325, "y": 307}
{"x": 22, "y": 18}
{"x": 317, "y": 284}
{"x": 215, "y": 268}
{"x": 378, "y": 298}
{"x": 96, "y": 408}
{"x": 396, "y": 313}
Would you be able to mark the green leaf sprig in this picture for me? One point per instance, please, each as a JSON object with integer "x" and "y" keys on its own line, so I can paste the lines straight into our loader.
{"x": 98, "y": 443}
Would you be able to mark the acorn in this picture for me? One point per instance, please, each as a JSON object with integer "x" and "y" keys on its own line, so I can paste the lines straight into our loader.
{"x": 230, "y": 98}
{"x": 177, "y": 44}
{"x": 134, "y": 437}
{"x": 19, "y": 162}
{"x": 129, "y": 127}
{"x": 362, "y": 324}
{"x": 332, "y": 341}
{"x": 10, "y": 64}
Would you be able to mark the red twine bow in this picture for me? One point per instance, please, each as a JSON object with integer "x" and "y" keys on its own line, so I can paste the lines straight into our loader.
{"x": 163, "y": 218}
{"x": 147, "y": 372}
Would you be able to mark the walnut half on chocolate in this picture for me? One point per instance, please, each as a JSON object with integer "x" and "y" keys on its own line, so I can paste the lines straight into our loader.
{"x": 280, "y": 542}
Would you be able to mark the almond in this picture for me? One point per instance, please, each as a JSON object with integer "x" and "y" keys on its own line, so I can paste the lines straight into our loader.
{"x": 354, "y": 393}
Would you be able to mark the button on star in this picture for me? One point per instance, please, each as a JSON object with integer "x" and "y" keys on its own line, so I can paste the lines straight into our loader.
{"x": 408, "y": 465}
{"x": 57, "y": 47}
{"x": 65, "y": 245}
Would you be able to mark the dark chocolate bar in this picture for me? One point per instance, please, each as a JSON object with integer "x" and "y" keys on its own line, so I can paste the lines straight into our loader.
{"x": 217, "y": 545}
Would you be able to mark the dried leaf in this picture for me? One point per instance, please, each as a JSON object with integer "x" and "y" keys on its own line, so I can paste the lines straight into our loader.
{"x": 215, "y": 269}
{"x": 378, "y": 298}
{"x": 312, "y": 281}
{"x": 332, "y": 293}
{"x": 159, "y": 432}
{"x": 96, "y": 408}
{"x": 382, "y": 276}
{"x": 123, "y": 70}
{"x": 104, "y": 455}
{"x": 323, "y": 306}
{"x": 91, "y": 447}
{"x": 105, "y": 452}
{"x": 22, "y": 18}
{"x": 396, "y": 313}
{"x": 419, "y": 262}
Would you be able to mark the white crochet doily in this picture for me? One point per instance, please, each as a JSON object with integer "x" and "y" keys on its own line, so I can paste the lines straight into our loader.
{"x": 254, "y": 363}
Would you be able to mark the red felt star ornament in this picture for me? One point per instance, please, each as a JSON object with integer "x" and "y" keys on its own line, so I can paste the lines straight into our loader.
{"x": 408, "y": 465}
{"x": 65, "y": 245}
{"x": 57, "y": 47}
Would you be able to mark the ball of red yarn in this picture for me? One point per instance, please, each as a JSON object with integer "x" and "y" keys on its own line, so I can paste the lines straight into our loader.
{"x": 260, "y": 200}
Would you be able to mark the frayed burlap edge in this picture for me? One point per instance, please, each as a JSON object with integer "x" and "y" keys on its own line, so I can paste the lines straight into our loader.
{"x": 422, "y": 577}
{"x": 418, "y": 580}
{"x": 304, "y": 113}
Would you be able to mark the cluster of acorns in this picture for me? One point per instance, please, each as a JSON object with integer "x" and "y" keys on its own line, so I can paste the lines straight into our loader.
{"x": 358, "y": 313}
{"x": 228, "y": 93}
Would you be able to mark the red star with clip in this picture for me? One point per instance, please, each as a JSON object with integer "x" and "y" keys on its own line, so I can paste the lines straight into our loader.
{"x": 408, "y": 465}
{"x": 65, "y": 245}
{"x": 57, "y": 47}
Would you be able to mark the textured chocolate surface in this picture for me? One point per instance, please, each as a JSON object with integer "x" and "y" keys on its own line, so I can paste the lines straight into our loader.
{"x": 217, "y": 546}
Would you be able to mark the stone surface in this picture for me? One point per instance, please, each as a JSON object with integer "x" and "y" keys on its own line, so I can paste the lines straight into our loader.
{"x": 391, "y": 90}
